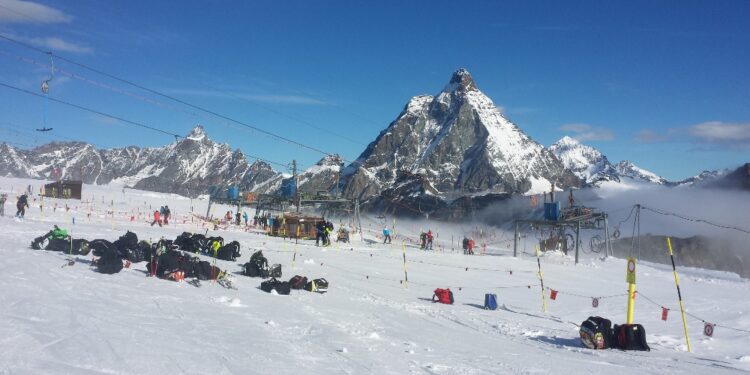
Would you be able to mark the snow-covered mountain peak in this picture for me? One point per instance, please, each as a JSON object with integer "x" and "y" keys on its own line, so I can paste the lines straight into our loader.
{"x": 627, "y": 169}
{"x": 461, "y": 81}
{"x": 197, "y": 134}
{"x": 567, "y": 141}
{"x": 458, "y": 141}
{"x": 334, "y": 160}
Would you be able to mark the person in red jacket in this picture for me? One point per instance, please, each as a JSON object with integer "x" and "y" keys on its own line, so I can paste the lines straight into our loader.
{"x": 157, "y": 218}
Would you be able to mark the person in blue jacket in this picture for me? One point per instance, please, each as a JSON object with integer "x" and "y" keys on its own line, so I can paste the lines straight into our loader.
{"x": 386, "y": 235}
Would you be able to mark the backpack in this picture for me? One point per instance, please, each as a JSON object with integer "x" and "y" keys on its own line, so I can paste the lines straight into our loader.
{"x": 109, "y": 261}
{"x": 230, "y": 251}
{"x": 205, "y": 271}
{"x": 596, "y": 333}
{"x": 275, "y": 271}
{"x": 58, "y": 244}
{"x": 136, "y": 254}
{"x": 298, "y": 282}
{"x": 127, "y": 241}
{"x": 490, "y": 301}
{"x": 317, "y": 285}
{"x": 630, "y": 337}
{"x": 443, "y": 296}
{"x": 39, "y": 243}
{"x": 257, "y": 266}
{"x": 99, "y": 247}
{"x": 282, "y": 287}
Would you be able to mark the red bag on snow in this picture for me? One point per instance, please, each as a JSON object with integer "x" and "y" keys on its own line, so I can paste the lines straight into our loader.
{"x": 443, "y": 296}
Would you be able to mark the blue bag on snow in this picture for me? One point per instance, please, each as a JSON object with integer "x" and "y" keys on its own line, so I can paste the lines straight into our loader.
{"x": 490, "y": 302}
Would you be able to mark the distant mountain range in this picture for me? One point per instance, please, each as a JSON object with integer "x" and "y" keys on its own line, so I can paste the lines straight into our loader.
{"x": 444, "y": 155}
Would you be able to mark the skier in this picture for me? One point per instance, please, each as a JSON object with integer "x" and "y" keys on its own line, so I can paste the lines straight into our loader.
{"x": 237, "y": 217}
{"x": 470, "y": 246}
{"x": 157, "y": 218}
{"x": 319, "y": 232}
{"x": 386, "y": 235}
{"x": 328, "y": 231}
{"x": 429, "y": 240}
{"x": 422, "y": 240}
{"x": 244, "y": 216}
{"x": 167, "y": 214}
{"x": 21, "y": 205}
{"x": 3, "y": 198}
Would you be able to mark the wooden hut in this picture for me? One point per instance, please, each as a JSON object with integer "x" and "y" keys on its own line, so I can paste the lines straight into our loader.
{"x": 288, "y": 224}
{"x": 64, "y": 189}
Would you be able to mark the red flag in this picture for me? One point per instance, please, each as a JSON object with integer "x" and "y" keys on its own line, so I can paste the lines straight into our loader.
{"x": 664, "y": 313}
{"x": 552, "y": 294}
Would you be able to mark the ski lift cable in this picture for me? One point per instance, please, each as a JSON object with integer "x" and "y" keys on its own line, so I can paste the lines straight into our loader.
{"x": 293, "y": 118}
{"x": 90, "y": 110}
{"x": 99, "y": 84}
{"x": 695, "y": 220}
{"x": 155, "y": 92}
{"x": 126, "y": 93}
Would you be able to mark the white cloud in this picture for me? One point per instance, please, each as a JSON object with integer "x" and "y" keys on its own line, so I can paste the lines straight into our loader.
{"x": 261, "y": 98}
{"x": 585, "y": 132}
{"x": 721, "y": 133}
{"x": 16, "y": 11}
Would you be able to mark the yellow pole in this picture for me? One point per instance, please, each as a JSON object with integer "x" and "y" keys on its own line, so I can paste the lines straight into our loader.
{"x": 631, "y": 302}
{"x": 406, "y": 273}
{"x": 679, "y": 295}
{"x": 294, "y": 259}
{"x": 630, "y": 278}
{"x": 541, "y": 279}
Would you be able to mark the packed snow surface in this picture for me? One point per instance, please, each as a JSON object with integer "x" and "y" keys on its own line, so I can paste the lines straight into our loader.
{"x": 73, "y": 320}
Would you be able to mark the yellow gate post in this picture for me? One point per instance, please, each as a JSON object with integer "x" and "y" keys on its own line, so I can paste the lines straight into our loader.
{"x": 630, "y": 278}
{"x": 541, "y": 279}
{"x": 679, "y": 295}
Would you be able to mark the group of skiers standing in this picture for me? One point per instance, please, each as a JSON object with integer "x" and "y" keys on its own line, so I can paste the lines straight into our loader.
{"x": 426, "y": 240}
{"x": 468, "y": 245}
{"x": 162, "y": 215}
{"x": 323, "y": 230}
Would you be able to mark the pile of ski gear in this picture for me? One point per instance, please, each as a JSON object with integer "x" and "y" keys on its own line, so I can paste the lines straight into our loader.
{"x": 211, "y": 246}
{"x": 598, "y": 333}
{"x": 58, "y": 240}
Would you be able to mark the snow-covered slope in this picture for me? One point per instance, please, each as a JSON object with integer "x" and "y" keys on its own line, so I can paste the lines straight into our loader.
{"x": 72, "y": 320}
{"x": 460, "y": 142}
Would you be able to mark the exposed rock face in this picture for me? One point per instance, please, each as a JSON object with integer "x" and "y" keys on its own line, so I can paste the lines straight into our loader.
{"x": 188, "y": 166}
{"x": 459, "y": 142}
{"x": 323, "y": 176}
{"x": 738, "y": 179}
{"x": 412, "y": 195}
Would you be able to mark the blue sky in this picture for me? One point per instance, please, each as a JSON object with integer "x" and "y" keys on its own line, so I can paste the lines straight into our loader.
{"x": 664, "y": 84}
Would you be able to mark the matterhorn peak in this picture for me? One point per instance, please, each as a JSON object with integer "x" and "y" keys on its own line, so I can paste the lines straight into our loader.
{"x": 461, "y": 80}
{"x": 197, "y": 133}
